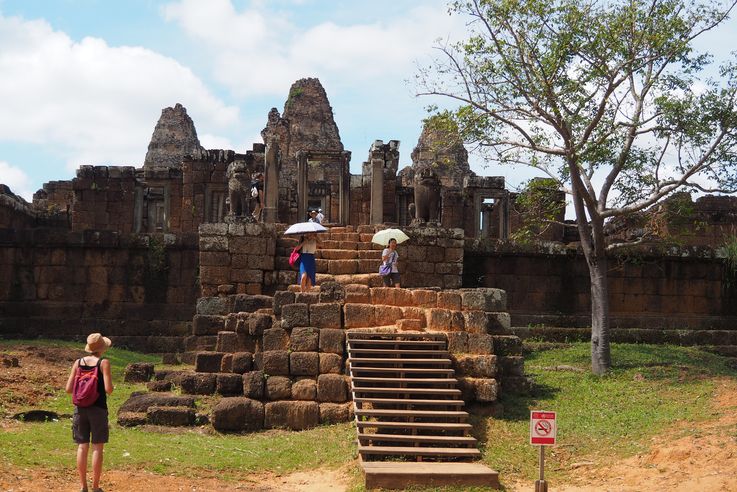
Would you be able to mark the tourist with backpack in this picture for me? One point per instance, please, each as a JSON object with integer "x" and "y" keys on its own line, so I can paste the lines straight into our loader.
{"x": 89, "y": 383}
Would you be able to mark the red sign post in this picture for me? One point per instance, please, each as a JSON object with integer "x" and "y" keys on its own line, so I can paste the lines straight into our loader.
{"x": 543, "y": 429}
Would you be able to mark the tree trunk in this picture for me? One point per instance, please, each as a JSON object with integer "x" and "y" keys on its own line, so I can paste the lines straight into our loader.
{"x": 601, "y": 360}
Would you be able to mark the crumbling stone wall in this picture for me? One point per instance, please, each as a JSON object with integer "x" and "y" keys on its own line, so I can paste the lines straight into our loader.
{"x": 661, "y": 291}
{"x": 433, "y": 257}
{"x": 140, "y": 289}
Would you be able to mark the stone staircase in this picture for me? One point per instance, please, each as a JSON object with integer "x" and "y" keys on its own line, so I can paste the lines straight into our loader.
{"x": 412, "y": 429}
{"x": 343, "y": 256}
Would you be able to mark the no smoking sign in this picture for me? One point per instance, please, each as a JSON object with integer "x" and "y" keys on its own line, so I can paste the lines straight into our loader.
{"x": 542, "y": 428}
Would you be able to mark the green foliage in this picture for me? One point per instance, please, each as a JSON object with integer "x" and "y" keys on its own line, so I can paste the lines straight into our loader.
{"x": 294, "y": 93}
{"x": 540, "y": 204}
{"x": 730, "y": 261}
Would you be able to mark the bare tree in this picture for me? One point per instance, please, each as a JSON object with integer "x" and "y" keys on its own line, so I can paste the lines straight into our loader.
{"x": 609, "y": 98}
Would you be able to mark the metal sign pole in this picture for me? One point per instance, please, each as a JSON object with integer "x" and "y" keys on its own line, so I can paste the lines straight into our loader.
{"x": 541, "y": 485}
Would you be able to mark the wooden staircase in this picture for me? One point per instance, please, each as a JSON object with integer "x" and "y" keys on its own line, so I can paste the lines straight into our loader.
{"x": 412, "y": 429}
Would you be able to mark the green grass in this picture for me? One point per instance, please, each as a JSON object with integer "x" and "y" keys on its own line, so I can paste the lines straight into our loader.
{"x": 649, "y": 389}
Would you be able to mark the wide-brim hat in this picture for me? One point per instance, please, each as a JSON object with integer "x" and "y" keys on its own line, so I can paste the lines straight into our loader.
{"x": 97, "y": 343}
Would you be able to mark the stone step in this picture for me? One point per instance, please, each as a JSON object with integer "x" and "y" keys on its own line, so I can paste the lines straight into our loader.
{"x": 409, "y": 414}
{"x": 404, "y": 370}
{"x": 422, "y": 381}
{"x": 423, "y": 426}
{"x": 381, "y": 360}
{"x": 378, "y": 351}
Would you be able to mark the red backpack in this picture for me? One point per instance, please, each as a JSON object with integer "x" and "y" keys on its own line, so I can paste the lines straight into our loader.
{"x": 85, "y": 392}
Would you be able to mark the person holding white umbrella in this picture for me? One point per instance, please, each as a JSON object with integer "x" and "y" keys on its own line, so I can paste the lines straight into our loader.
{"x": 307, "y": 270}
{"x": 389, "y": 257}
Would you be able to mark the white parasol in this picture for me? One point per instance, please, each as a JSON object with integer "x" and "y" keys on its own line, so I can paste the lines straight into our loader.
{"x": 305, "y": 228}
{"x": 383, "y": 237}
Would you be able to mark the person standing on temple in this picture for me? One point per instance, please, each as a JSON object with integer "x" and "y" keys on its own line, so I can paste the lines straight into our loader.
{"x": 320, "y": 217}
{"x": 257, "y": 192}
{"x": 307, "y": 269}
{"x": 390, "y": 257}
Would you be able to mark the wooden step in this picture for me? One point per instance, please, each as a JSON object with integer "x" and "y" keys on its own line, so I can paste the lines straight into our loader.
{"x": 409, "y": 401}
{"x": 363, "y": 335}
{"x": 418, "y": 451}
{"x": 402, "y": 475}
{"x": 424, "y": 426}
{"x": 381, "y": 360}
{"x": 404, "y": 438}
{"x": 357, "y": 342}
{"x": 411, "y": 370}
{"x": 428, "y": 381}
{"x": 383, "y": 351}
{"x": 454, "y": 414}
{"x": 408, "y": 391}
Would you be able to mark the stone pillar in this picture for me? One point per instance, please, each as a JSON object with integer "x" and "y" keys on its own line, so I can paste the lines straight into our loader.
{"x": 345, "y": 186}
{"x": 301, "y": 186}
{"x": 504, "y": 217}
{"x": 271, "y": 183}
{"x": 377, "y": 186}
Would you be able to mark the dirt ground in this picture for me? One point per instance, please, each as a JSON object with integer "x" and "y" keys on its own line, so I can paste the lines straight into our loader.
{"x": 704, "y": 460}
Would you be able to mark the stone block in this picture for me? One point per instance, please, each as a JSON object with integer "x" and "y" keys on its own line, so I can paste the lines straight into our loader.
{"x": 278, "y": 388}
{"x": 357, "y": 294}
{"x": 304, "y": 339}
{"x": 304, "y": 389}
{"x": 160, "y": 386}
{"x": 295, "y": 415}
{"x": 275, "y": 339}
{"x": 325, "y": 315}
{"x": 294, "y": 315}
{"x": 208, "y": 361}
{"x": 425, "y": 298}
{"x": 334, "y": 413}
{"x": 258, "y": 323}
{"x": 332, "y": 388}
{"x": 480, "y": 343}
{"x": 226, "y": 365}
{"x": 281, "y": 299}
{"x": 483, "y": 390}
{"x": 457, "y": 321}
{"x": 275, "y": 362}
{"x": 308, "y": 298}
{"x": 359, "y": 315}
{"x": 499, "y": 323}
{"x": 512, "y": 365}
{"x": 207, "y": 325}
{"x": 409, "y": 325}
{"x": 476, "y": 366}
{"x": 331, "y": 363}
{"x": 486, "y": 322}
{"x": 247, "y": 303}
{"x": 171, "y": 416}
{"x": 253, "y": 384}
{"x": 198, "y": 383}
{"x": 138, "y": 372}
{"x": 304, "y": 363}
{"x": 227, "y": 342}
{"x": 332, "y": 292}
{"x": 140, "y": 401}
{"x": 238, "y": 414}
{"x": 449, "y": 300}
{"x": 439, "y": 319}
{"x": 415, "y": 313}
{"x": 457, "y": 342}
{"x": 242, "y": 362}
{"x": 507, "y": 345}
{"x": 132, "y": 419}
{"x": 387, "y": 315}
{"x": 229, "y": 384}
{"x": 332, "y": 341}
{"x": 484, "y": 299}
{"x": 214, "y": 306}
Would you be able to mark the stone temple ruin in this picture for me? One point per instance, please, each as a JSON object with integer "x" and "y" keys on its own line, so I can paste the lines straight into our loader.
{"x": 167, "y": 258}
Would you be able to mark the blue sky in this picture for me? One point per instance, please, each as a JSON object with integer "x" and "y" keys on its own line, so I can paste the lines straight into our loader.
{"x": 84, "y": 81}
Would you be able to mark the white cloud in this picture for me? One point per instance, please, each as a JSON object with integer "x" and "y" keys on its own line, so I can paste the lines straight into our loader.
{"x": 18, "y": 182}
{"x": 255, "y": 51}
{"x": 90, "y": 102}
{"x": 209, "y": 141}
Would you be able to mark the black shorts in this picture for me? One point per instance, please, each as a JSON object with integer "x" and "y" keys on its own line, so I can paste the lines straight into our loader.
{"x": 391, "y": 279}
{"x": 90, "y": 420}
